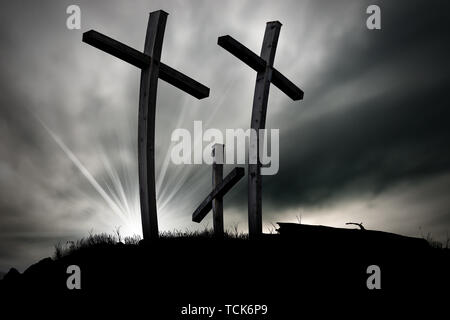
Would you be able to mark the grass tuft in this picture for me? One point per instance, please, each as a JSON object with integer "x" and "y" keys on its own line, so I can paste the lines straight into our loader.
{"x": 103, "y": 240}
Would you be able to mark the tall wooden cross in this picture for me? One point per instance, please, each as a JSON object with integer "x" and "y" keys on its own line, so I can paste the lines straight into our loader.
{"x": 266, "y": 74}
{"x": 151, "y": 70}
{"x": 220, "y": 186}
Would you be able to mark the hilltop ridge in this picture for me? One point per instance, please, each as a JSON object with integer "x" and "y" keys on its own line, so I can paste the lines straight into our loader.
{"x": 300, "y": 262}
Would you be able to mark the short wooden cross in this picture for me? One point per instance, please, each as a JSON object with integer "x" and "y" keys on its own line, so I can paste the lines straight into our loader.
{"x": 266, "y": 74}
{"x": 151, "y": 69}
{"x": 220, "y": 186}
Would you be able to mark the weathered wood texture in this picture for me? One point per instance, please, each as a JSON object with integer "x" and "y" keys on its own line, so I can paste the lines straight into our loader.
{"x": 142, "y": 61}
{"x": 222, "y": 188}
{"x": 260, "y": 99}
{"x": 146, "y": 124}
{"x": 151, "y": 70}
{"x": 266, "y": 74}
{"x": 217, "y": 178}
{"x": 258, "y": 64}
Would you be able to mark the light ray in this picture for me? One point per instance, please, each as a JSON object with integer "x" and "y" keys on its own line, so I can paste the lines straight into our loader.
{"x": 177, "y": 183}
{"x": 115, "y": 207}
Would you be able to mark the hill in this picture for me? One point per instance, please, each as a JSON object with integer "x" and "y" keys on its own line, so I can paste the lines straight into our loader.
{"x": 301, "y": 263}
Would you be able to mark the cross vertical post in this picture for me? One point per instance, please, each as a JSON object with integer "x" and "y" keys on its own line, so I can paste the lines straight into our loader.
{"x": 217, "y": 178}
{"x": 146, "y": 133}
{"x": 261, "y": 97}
{"x": 220, "y": 187}
{"x": 266, "y": 74}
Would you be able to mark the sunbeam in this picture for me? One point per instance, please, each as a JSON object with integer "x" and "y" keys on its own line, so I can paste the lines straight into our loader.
{"x": 178, "y": 181}
{"x": 119, "y": 187}
{"x": 165, "y": 165}
{"x": 117, "y": 203}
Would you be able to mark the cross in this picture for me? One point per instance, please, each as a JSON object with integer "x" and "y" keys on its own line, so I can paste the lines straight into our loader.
{"x": 266, "y": 74}
{"x": 220, "y": 186}
{"x": 151, "y": 69}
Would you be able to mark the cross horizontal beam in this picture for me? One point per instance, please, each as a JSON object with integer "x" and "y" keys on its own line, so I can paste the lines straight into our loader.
{"x": 182, "y": 82}
{"x": 258, "y": 64}
{"x": 141, "y": 60}
{"x": 241, "y": 52}
{"x": 228, "y": 182}
{"x": 116, "y": 48}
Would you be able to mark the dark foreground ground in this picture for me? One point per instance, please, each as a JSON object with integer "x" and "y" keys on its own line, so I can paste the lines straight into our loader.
{"x": 317, "y": 269}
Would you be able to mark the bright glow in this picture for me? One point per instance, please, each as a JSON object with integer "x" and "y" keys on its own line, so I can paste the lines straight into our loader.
{"x": 121, "y": 192}
{"x": 114, "y": 195}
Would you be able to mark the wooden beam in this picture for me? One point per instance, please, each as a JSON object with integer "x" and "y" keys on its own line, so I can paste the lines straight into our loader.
{"x": 183, "y": 82}
{"x": 217, "y": 178}
{"x": 258, "y": 122}
{"x": 258, "y": 64}
{"x": 116, "y": 48}
{"x": 142, "y": 61}
{"x": 227, "y": 183}
{"x": 151, "y": 71}
{"x": 266, "y": 74}
{"x": 146, "y": 124}
{"x": 285, "y": 85}
{"x": 242, "y": 52}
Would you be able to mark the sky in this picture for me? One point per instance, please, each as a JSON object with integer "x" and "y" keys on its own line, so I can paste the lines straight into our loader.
{"x": 368, "y": 143}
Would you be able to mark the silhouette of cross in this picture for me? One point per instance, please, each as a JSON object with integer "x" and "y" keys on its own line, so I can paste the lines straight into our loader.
{"x": 221, "y": 186}
{"x": 151, "y": 69}
{"x": 266, "y": 74}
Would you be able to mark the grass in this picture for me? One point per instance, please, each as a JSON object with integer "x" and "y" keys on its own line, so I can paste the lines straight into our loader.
{"x": 206, "y": 233}
{"x": 109, "y": 240}
{"x": 433, "y": 242}
{"x": 93, "y": 240}
{"x": 103, "y": 240}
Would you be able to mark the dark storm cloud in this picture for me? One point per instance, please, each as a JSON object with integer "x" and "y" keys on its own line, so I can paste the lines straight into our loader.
{"x": 400, "y": 134}
{"x": 376, "y": 115}
{"x": 373, "y": 121}
{"x": 385, "y": 140}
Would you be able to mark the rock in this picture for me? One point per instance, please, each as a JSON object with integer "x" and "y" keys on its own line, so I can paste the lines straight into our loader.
{"x": 357, "y": 239}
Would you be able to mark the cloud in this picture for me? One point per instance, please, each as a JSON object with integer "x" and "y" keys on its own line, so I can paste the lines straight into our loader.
{"x": 371, "y": 130}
